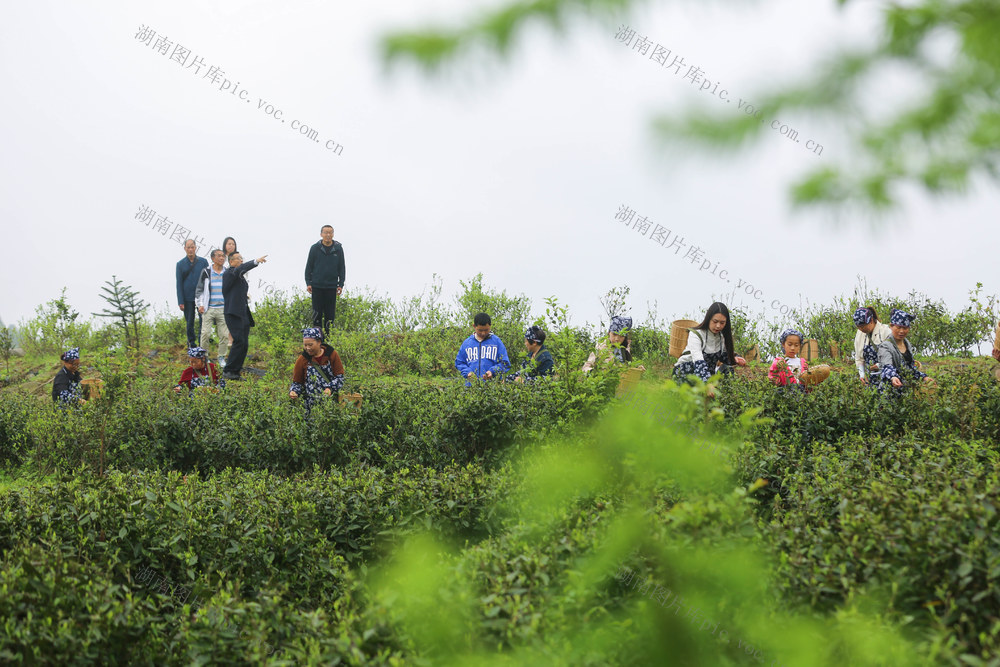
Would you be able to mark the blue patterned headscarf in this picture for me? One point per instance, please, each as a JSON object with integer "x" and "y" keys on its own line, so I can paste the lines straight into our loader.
{"x": 313, "y": 332}
{"x": 862, "y": 316}
{"x": 619, "y": 323}
{"x": 71, "y": 354}
{"x": 790, "y": 332}
{"x": 197, "y": 353}
{"x": 534, "y": 334}
{"x": 902, "y": 318}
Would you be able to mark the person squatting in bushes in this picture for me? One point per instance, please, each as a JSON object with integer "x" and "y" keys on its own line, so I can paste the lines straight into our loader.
{"x": 318, "y": 370}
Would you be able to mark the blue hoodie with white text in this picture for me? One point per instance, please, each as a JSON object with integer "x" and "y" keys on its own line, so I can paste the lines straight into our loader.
{"x": 478, "y": 357}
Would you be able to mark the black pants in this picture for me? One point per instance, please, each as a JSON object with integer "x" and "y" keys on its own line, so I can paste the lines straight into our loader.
{"x": 189, "y": 312}
{"x": 324, "y": 302}
{"x": 239, "y": 329}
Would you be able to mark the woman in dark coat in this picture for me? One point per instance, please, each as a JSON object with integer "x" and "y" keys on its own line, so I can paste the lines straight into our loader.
{"x": 66, "y": 389}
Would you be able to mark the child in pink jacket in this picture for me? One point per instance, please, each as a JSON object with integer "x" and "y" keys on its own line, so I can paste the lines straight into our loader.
{"x": 786, "y": 370}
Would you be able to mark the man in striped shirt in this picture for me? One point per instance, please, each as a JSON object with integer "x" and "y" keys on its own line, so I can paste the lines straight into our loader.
{"x": 208, "y": 296}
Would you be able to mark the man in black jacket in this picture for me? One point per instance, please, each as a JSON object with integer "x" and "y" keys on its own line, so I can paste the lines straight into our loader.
{"x": 325, "y": 278}
{"x": 239, "y": 319}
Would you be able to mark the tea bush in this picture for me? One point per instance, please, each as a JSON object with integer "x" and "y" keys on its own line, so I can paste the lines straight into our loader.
{"x": 911, "y": 519}
{"x": 15, "y": 441}
{"x": 256, "y": 425}
{"x": 963, "y": 403}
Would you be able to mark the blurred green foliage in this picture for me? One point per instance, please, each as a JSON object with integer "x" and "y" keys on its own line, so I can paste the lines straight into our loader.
{"x": 939, "y": 140}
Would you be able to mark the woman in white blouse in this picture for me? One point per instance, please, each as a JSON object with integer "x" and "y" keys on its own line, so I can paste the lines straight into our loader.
{"x": 709, "y": 343}
{"x": 870, "y": 335}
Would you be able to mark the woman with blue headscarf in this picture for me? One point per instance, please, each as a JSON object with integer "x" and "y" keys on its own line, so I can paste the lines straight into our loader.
{"x": 200, "y": 372}
{"x": 66, "y": 384}
{"x": 788, "y": 368}
{"x": 871, "y": 334}
{"x": 895, "y": 359}
{"x": 618, "y": 342}
{"x": 540, "y": 362}
{"x": 318, "y": 370}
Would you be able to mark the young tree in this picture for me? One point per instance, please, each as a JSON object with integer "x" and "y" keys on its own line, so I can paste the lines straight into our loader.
{"x": 614, "y": 301}
{"x": 6, "y": 345}
{"x": 126, "y": 307}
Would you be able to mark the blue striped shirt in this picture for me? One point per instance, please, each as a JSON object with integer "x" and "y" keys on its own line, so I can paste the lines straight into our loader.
{"x": 215, "y": 299}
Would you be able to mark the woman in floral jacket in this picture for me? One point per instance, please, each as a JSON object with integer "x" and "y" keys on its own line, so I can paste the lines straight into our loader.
{"x": 318, "y": 370}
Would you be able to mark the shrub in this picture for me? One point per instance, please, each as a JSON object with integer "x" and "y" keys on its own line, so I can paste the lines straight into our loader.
{"x": 866, "y": 515}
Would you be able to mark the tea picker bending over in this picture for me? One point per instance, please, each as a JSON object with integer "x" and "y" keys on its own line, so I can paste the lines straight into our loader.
{"x": 318, "y": 370}
{"x": 540, "y": 362}
{"x": 871, "y": 334}
{"x": 199, "y": 373}
{"x": 617, "y": 347}
{"x": 66, "y": 384}
{"x": 709, "y": 343}
{"x": 895, "y": 359}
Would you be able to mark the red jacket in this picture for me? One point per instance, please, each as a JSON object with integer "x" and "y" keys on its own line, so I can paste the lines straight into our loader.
{"x": 189, "y": 374}
{"x": 781, "y": 374}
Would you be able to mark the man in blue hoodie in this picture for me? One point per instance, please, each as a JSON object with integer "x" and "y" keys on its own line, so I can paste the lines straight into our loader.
{"x": 188, "y": 271}
{"x": 482, "y": 354}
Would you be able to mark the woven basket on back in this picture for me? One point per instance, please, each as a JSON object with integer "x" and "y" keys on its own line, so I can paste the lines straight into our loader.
{"x": 353, "y": 400}
{"x": 810, "y": 349}
{"x": 630, "y": 379}
{"x": 91, "y": 388}
{"x": 679, "y": 336}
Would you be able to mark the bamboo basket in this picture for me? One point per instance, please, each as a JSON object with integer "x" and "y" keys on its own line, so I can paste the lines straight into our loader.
{"x": 810, "y": 349}
{"x": 834, "y": 350}
{"x": 815, "y": 375}
{"x": 91, "y": 388}
{"x": 679, "y": 336}
{"x": 630, "y": 379}
{"x": 353, "y": 400}
{"x": 753, "y": 354}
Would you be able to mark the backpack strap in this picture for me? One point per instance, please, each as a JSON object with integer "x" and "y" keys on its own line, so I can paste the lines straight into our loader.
{"x": 320, "y": 370}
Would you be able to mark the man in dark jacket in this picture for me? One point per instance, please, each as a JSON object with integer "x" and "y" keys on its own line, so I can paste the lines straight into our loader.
{"x": 239, "y": 319}
{"x": 325, "y": 278}
{"x": 188, "y": 270}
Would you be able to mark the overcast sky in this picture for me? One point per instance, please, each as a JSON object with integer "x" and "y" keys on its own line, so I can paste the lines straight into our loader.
{"x": 514, "y": 169}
